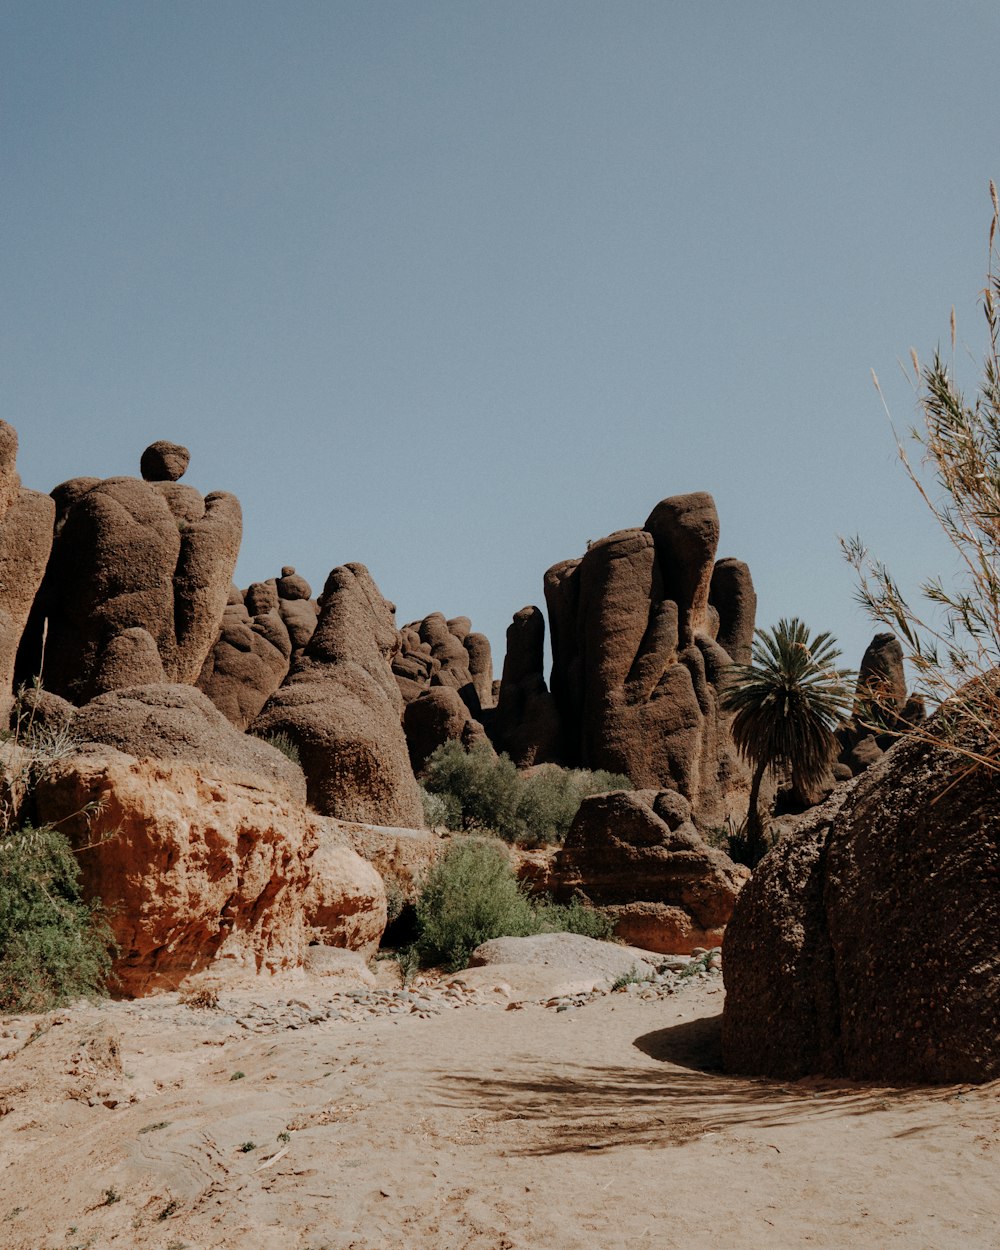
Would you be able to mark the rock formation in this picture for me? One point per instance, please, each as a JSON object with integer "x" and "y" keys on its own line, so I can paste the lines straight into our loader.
{"x": 137, "y": 581}
{"x": 526, "y": 724}
{"x": 206, "y": 867}
{"x": 251, "y": 655}
{"x": 868, "y": 941}
{"x": 436, "y": 652}
{"x": 433, "y": 718}
{"x": 445, "y": 675}
{"x": 341, "y": 706}
{"x": 882, "y": 711}
{"x": 26, "y": 521}
{"x": 638, "y": 857}
{"x": 173, "y": 722}
{"x": 638, "y": 661}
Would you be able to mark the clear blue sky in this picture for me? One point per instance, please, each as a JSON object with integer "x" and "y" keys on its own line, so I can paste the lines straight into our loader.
{"x": 451, "y": 288}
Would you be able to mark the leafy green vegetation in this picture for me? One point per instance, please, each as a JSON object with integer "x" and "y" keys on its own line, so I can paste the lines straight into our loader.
{"x": 53, "y": 945}
{"x": 476, "y": 790}
{"x": 472, "y": 895}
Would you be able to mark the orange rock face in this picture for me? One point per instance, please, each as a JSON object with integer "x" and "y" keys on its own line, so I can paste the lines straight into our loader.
{"x": 206, "y": 869}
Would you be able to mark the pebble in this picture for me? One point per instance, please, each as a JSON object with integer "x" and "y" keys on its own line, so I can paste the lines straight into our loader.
{"x": 422, "y": 999}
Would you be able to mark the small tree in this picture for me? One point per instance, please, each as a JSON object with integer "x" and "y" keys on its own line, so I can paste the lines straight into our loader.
{"x": 787, "y": 702}
{"x": 954, "y": 649}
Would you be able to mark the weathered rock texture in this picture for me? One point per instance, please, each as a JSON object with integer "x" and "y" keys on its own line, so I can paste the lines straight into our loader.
{"x": 136, "y": 583}
{"x": 341, "y": 706}
{"x": 207, "y": 868}
{"x": 867, "y": 943}
{"x": 26, "y": 521}
{"x": 643, "y": 628}
{"x": 435, "y": 652}
{"x": 526, "y": 724}
{"x": 171, "y": 722}
{"x": 434, "y": 717}
{"x": 251, "y": 655}
{"x": 882, "y": 711}
{"x": 638, "y": 857}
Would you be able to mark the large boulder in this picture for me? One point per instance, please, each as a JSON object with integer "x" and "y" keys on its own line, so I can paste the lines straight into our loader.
{"x": 26, "y": 523}
{"x": 136, "y": 584}
{"x": 433, "y": 718}
{"x": 867, "y": 943}
{"x": 638, "y": 857}
{"x": 341, "y": 707}
{"x": 206, "y": 868}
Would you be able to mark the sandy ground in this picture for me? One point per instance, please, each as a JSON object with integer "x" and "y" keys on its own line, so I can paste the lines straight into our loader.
{"x": 484, "y": 1128}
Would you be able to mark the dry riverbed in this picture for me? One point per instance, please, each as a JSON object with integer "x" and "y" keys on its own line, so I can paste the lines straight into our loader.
{"x": 292, "y": 1119}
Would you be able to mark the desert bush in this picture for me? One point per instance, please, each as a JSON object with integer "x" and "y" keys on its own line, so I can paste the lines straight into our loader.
{"x": 953, "y": 642}
{"x": 53, "y": 945}
{"x": 282, "y": 742}
{"x": 472, "y": 895}
{"x": 479, "y": 790}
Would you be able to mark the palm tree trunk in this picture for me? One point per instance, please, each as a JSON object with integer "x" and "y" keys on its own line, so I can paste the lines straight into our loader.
{"x": 755, "y": 826}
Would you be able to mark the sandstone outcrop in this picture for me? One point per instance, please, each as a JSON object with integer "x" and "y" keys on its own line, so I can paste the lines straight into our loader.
{"x": 867, "y": 943}
{"x": 250, "y": 658}
{"x": 171, "y": 722}
{"x": 882, "y": 711}
{"x": 341, "y": 706}
{"x": 26, "y": 522}
{"x": 438, "y": 652}
{"x": 526, "y": 723}
{"x": 433, "y": 718}
{"x": 637, "y": 661}
{"x": 206, "y": 868}
{"x": 638, "y": 857}
{"x": 136, "y": 583}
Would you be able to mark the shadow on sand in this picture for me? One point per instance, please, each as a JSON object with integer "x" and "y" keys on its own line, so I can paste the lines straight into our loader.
{"x": 568, "y": 1108}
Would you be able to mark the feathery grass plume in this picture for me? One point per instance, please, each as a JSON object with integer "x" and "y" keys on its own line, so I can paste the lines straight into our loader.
{"x": 953, "y": 643}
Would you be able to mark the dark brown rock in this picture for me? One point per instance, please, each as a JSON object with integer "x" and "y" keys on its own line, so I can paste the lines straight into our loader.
{"x": 685, "y": 529}
{"x": 131, "y": 555}
{"x": 26, "y": 524}
{"x": 292, "y": 586}
{"x": 734, "y": 598}
{"x": 881, "y": 689}
{"x": 636, "y": 667}
{"x": 867, "y": 943}
{"x": 435, "y": 652}
{"x": 638, "y": 857}
{"x": 341, "y": 706}
{"x": 248, "y": 662}
{"x": 526, "y": 724}
{"x": 435, "y": 716}
{"x": 164, "y": 462}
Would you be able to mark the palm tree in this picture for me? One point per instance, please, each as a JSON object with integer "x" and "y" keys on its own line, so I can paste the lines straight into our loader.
{"x": 788, "y": 700}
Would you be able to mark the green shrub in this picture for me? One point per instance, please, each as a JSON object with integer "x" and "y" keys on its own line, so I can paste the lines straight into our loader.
{"x": 53, "y": 945}
{"x": 574, "y": 917}
{"x": 478, "y": 790}
{"x": 285, "y": 744}
{"x": 472, "y": 895}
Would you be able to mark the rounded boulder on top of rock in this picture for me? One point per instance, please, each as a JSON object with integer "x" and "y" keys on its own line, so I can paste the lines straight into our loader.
{"x": 164, "y": 461}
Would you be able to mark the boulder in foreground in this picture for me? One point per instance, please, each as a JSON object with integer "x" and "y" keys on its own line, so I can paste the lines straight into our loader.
{"x": 867, "y": 943}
